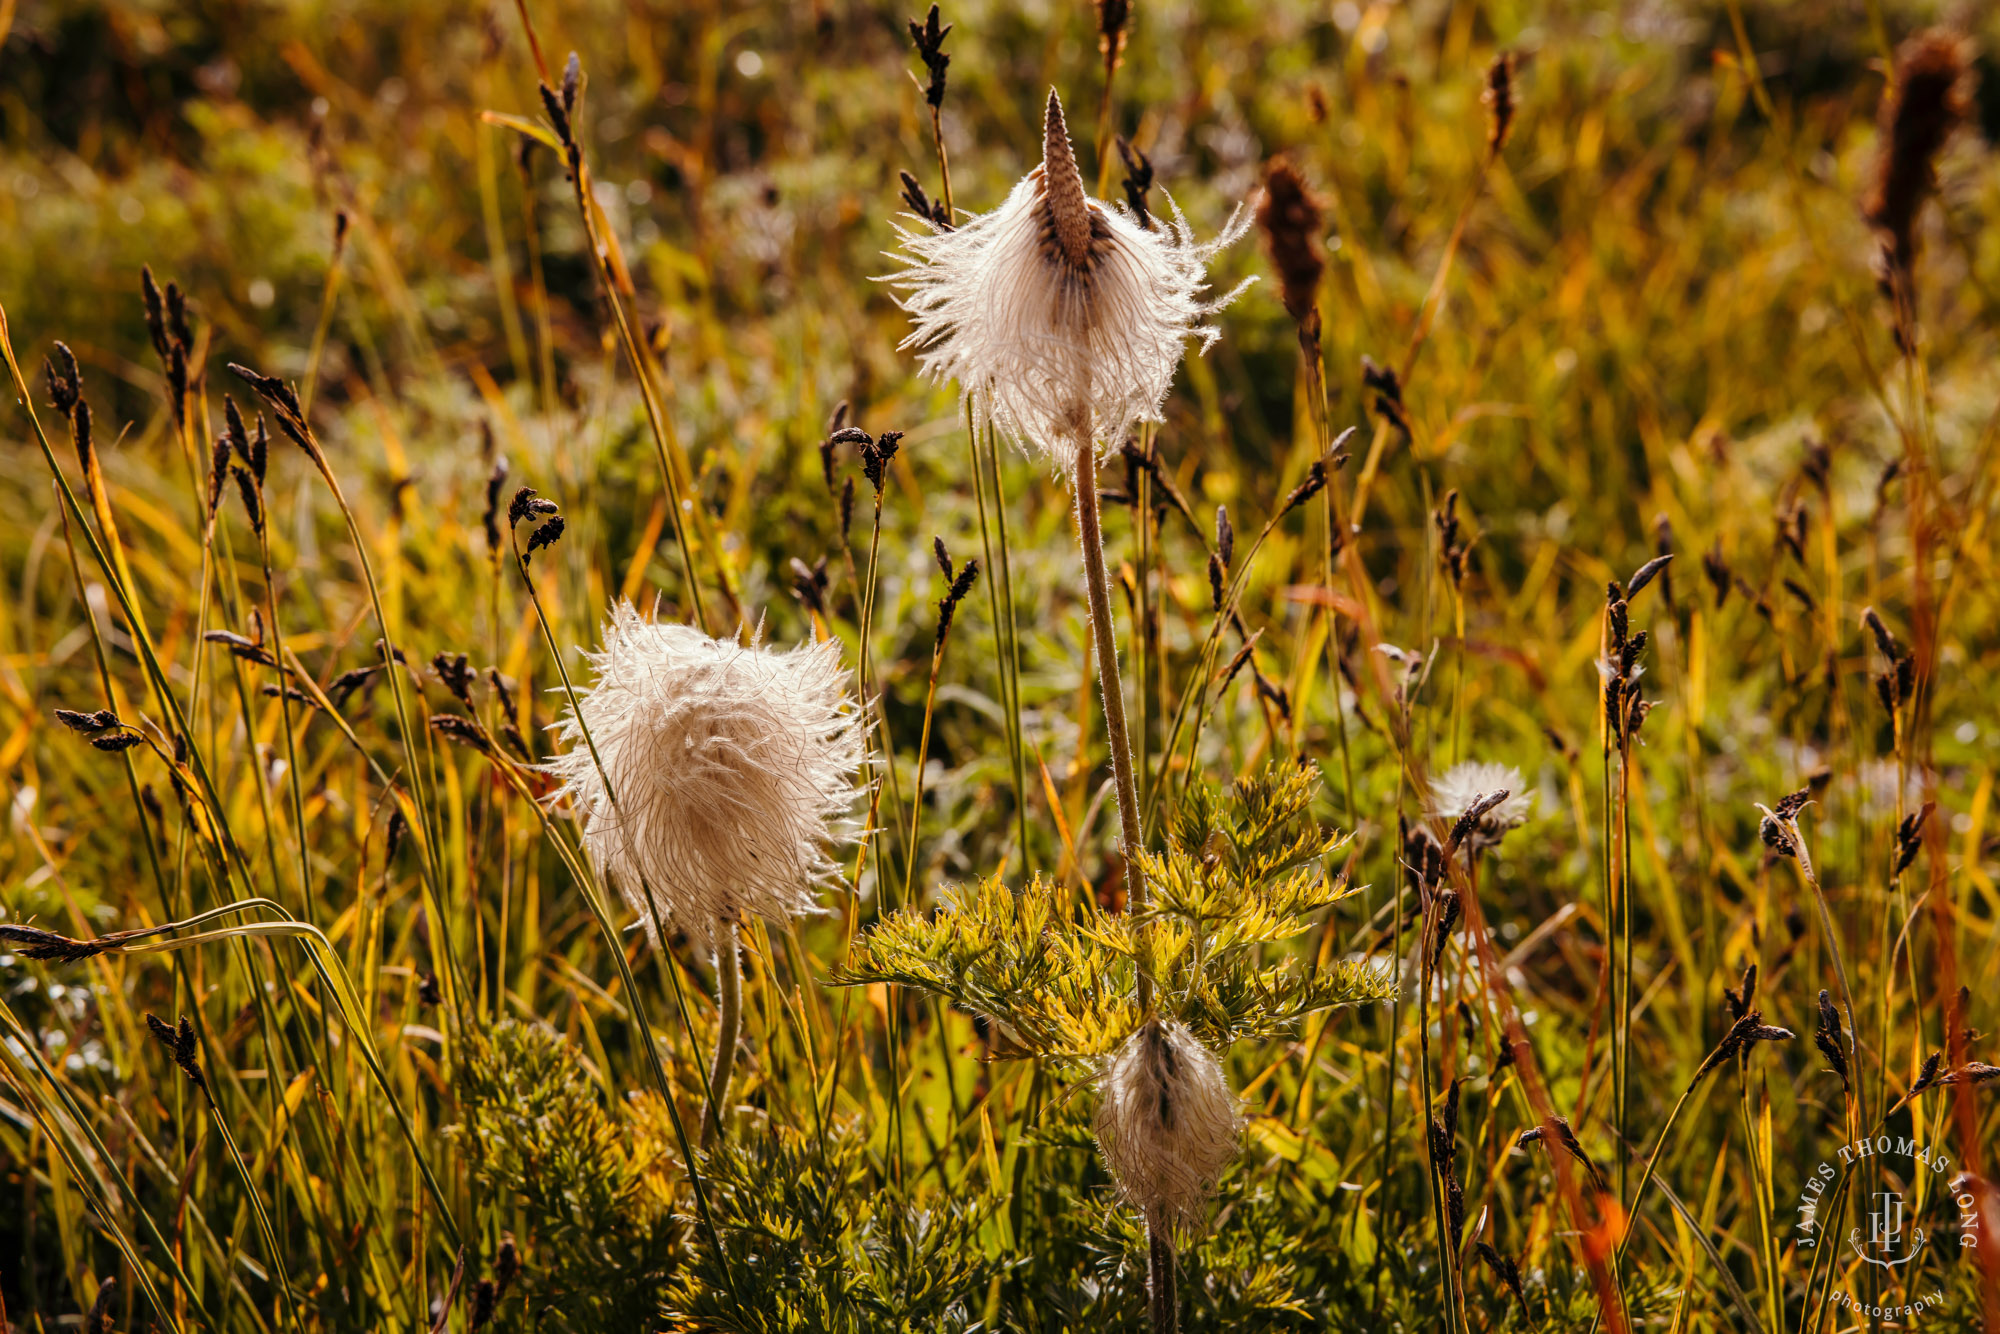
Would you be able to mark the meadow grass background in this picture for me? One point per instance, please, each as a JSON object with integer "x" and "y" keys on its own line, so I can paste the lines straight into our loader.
{"x": 1661, "y": 331}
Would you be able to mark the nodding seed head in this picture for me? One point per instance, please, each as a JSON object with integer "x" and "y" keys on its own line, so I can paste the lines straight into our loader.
{"x": 1167, "y": 1122}
{"x": 1062, "y": 187}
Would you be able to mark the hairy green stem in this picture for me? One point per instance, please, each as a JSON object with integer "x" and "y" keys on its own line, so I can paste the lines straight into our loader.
{"x": 1162, "y": 1297}
{"x": 1090, "y": 536}
{"x": 728, "y": 1027}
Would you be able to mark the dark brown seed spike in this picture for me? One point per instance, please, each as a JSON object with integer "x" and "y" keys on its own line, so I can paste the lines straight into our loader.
{"x": 1062, "y": 187}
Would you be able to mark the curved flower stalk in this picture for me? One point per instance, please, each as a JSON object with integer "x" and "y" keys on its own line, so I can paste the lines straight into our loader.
{"x": 1063, "y": 321}
{"x": 1061, "y": 318}
{"x": 709, "y": 779}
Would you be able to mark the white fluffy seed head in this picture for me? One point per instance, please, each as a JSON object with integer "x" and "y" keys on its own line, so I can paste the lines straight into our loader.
{"x": 1454, "y": 791}
{"x": 1061, "y": 318}
{"x": 733, "y": 768}
{"x": 1167, "y": 1123}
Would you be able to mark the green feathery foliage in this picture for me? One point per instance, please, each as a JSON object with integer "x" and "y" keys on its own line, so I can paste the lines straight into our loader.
{"x": 1241, "y": 870}
{"x": 818, "y": 1243}
{"x": 593, "y": 1184}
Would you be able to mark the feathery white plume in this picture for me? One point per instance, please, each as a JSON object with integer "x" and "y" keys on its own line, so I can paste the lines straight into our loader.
{"x": 732, "y": 768}
{"x": 1166, "y": 1122}
{"x": 1454, "y": 791}
{"x": 1061, "y": 318}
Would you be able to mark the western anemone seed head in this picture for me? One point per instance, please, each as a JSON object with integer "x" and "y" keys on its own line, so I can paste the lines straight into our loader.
{"x": 1454, "y": 791}
{"x": 1061, "y": 318}
{"x": 1167, "y": 1123}
{"x": 732, "y": 768}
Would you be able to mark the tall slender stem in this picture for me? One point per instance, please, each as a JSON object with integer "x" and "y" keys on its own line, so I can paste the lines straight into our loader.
{"x": 1162, "y": 1302}
{"x": 1090, "y": 534}
{"x": 1162, "y": 1298}
{"x": 728, "y": 1025}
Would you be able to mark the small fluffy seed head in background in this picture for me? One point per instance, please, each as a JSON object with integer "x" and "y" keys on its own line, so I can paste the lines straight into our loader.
{"x": 733, "y": 770}
{"x": 1167, "y": 1123}
{"x": 1061, "y": 319}
{"x": 1454, "y": 791}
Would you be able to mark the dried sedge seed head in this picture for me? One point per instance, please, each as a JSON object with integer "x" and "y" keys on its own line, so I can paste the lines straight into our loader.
{"x": 454, "y": 670}
{"x": 507, "y": 1265}
{"x": 929, "y": 40}
{"x": 921, "y": 204}
{"x": 496, "y": 482}
{"x": 875, "y": 457}
{"x": 177, "y": 318}
{"x": 464, "y": 731}
{"x": 1166, "y": 1122}
{"x": 732, "y": 767}
{"x": 182, "y": 1046}
{"x": 558, "y": 116}
{"x": 102, "y": 1318}
{"x": 1973, "y": 1074}
{"x": 1449, "y": 909}
{"x": 1138, "y": 181}
{"x": 34, "y": 943}
{"x": 87, "y": 723}
{"x": 1567, "y": 1138}
{"x": 1827, "y": 1037}
{"x": 1777, "y": 836}
{"x": 543, "y": 536}
{"x": 1927, "y": 1075}
{"x": 830, "y": 446}
{"x": 809, "y": 584}
{"x": 572, "y": 82}
{"x": 1465, "y": 790}
{"x": 485, "y": 1295}
{"x": 1061, "y": 319}
{"x": 1509, "y": 1273}
{"x": 1292, "y": 220}
{"x": 156, "y": 311}
{"x": 1909, "y": 836}
{"x": 1112, "y": 16}
{"x": 517, "y": 508}
{"x": 1499, "y": 100}
{"x": 1745, "y": 1033}
{"x": 65, "y": 381}
{"x": 948, "y": 604}
{"x": 79, "y": 430}
{"x": 1645, "y": 574}
{"x": 1932, "y": 96}
{"x": 246, "y": 487}
{"x": 1225, "y": 536}
{"x": 1314, "y": 483}
{"x": 1744, "y": 995}
{"x": 1387, "y": 386}
{"x": 1891, "y": 648}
